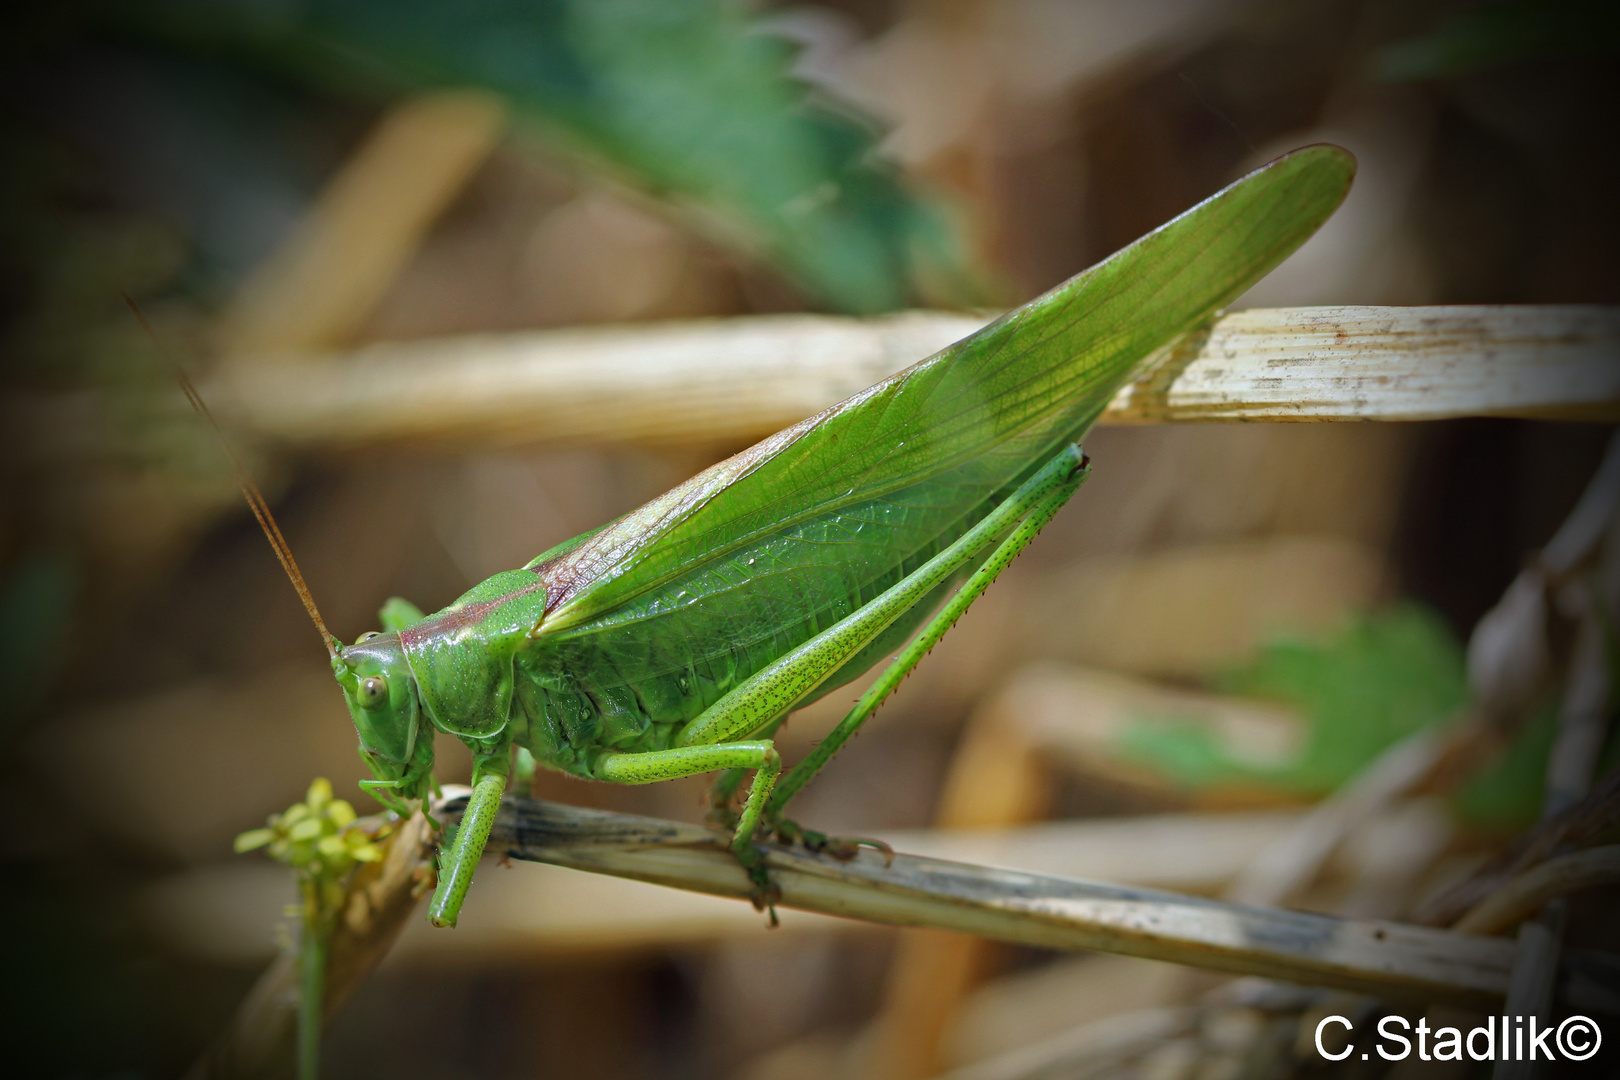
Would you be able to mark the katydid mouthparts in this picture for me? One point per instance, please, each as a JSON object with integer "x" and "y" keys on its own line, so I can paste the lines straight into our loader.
{"x": 675, "y": 640}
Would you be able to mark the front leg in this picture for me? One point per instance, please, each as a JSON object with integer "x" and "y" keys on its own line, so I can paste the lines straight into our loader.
{"x": 456, "y": 867}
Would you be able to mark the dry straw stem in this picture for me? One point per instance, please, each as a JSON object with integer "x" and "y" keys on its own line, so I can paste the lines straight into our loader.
{"x": 1391, "y": 960}
{"x": 1388, "y": 363}
{"x": 217, "y": 914}
{"x": 736, "y": 379}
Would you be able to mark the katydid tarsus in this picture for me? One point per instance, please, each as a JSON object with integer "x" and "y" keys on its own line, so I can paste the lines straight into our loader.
{"x": 674, "y": 640}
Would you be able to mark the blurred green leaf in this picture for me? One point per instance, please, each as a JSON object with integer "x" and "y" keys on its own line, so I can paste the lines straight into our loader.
{"x": 685, "y": 99}
{"x": 1384, "y": 677}
{"x": 1185, "y": 752}
{"x": 1507, "y": 794}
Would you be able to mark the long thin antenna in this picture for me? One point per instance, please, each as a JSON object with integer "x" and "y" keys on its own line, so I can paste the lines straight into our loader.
{"x": 250, "y": 491}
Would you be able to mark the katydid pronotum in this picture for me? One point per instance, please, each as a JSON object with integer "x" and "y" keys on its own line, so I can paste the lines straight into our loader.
{"x": 676, "y": 639}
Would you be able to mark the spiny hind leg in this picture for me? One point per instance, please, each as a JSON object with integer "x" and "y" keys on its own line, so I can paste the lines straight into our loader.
{"x": 778, "y": 686}
{"x": 1039, "y": 499}
{"x": 759, "y": 754}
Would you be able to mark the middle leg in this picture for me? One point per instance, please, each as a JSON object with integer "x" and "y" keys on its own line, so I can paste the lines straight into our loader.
{"x": 760, "y": 755}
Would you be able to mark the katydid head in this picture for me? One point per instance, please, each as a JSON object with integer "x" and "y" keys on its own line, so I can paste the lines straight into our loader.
{"x": 382, "y": 698}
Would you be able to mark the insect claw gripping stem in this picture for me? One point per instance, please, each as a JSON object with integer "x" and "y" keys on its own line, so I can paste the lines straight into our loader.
{"x": 847, "y": 847}
{"x": 766, "y": 893}
{"x": 839, "y": 847}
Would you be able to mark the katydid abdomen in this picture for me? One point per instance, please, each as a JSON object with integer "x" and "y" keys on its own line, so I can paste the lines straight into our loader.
{"x": 630, "y": 679}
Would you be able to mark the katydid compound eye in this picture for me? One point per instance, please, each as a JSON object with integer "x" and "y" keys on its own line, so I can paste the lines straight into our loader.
{"x": 373, "y": 692}
{"x": 367, "y": 636}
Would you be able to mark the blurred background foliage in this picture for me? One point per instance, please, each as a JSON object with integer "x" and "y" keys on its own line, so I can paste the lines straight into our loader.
{"x": 643, "y": 161}
{"x": 692, "y": 104}
{"x": 1383, "y": 677}
{"x": 1495, "y": 35}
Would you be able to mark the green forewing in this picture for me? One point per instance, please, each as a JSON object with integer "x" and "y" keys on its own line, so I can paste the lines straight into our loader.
{"x": 979, "y": 415}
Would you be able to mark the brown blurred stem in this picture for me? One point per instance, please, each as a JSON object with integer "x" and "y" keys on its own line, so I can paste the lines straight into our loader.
{"x": 263, "y": 1035}
{"x": 1582, "y": 724}
{"x": 1593, "y": 820}
{"x": 1524, "y": 895}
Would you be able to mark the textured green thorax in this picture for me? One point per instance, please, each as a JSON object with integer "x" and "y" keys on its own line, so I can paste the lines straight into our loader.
{"x": 462, "y": 656}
